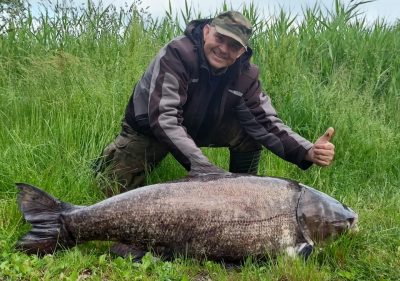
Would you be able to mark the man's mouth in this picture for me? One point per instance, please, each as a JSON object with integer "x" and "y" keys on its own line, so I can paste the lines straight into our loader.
{"x": 219, "y": 55}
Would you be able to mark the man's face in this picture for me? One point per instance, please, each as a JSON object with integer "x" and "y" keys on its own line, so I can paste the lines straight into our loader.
{"x": 221, "y": 51}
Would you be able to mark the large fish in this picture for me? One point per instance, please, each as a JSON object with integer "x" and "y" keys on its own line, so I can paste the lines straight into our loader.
{"x": 226, "y": 218}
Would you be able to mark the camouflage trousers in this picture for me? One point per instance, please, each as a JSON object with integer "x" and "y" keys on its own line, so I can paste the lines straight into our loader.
{"x": 125, "y": 162}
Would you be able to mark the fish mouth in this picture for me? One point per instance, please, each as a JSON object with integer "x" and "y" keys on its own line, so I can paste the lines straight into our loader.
{"x": 353, "y": 222}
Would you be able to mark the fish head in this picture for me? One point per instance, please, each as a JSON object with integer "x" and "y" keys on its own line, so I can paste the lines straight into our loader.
{"x": 321, "y": 216}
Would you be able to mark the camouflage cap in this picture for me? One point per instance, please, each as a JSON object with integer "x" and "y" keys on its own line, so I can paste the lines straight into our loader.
{"x": 234, "y": 25}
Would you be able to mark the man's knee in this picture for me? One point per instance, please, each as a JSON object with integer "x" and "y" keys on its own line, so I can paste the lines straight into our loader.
{"x": 244, "y": 162}
{"x": 244, "y": 152}
{"x": 126, "y": 161}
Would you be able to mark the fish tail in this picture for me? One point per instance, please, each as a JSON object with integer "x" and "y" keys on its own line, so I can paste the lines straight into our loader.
{"x": 43, "y": 212}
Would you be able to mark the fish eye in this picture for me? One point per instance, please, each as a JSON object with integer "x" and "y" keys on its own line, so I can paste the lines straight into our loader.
{"x": 345, "y": 206}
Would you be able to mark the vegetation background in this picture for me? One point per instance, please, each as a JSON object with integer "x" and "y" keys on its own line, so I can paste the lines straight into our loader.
{"x": 66, "y": 74}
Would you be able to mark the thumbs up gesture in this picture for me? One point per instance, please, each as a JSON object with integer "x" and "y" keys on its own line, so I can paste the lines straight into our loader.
{"x": 323, "y": 151}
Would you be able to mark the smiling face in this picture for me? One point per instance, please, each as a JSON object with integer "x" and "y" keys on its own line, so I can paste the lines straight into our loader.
{"x": 221, "y": 51}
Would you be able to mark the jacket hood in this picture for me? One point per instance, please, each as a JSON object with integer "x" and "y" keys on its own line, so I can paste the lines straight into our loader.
{"x": 194, "y": 30}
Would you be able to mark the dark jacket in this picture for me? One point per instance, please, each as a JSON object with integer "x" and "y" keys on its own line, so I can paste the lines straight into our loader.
{"x": 175, "y": 100}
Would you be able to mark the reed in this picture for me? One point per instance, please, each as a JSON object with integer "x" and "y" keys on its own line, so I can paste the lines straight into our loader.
{"x": 66, "y": 73}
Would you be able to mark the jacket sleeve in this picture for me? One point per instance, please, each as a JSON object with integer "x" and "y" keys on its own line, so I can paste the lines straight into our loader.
{"x": 167, "y": 95}
{"x": 259, "y": 119}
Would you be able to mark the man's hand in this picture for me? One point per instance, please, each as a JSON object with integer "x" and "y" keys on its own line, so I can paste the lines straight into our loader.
{"x": 323, "y": 151}
{"x": 206, "y": 169}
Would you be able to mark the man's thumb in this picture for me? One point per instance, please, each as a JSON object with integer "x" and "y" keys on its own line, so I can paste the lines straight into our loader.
{"x": 327, "y": 136}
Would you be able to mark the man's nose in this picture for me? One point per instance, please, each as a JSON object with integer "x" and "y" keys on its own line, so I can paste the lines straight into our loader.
{"x": 225, "y": 47}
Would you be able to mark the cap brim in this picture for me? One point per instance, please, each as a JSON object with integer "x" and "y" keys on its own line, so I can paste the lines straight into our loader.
{"x": 225, "y": 32}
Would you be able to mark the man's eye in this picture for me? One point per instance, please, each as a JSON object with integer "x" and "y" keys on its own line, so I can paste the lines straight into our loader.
{"x": 236, "y": 46}
{"x": 219, "y": 38}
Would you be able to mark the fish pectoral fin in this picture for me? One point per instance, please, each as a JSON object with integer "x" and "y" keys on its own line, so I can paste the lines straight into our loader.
{"x": 302, "y": 250}
{"x": 125, "y": 250}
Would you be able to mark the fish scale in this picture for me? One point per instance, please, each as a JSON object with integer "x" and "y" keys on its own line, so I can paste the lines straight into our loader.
{"x": 225, "y": 218}
{"x": 243, "y": 214}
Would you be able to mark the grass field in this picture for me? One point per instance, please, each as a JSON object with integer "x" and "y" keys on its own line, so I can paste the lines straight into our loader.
{"x": 66, "y": 74}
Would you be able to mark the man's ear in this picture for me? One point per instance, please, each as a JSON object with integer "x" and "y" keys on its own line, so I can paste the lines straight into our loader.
{"x": 206, "y": 30}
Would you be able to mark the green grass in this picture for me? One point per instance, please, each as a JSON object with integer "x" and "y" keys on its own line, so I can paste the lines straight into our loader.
{"x": 67, "y": 73}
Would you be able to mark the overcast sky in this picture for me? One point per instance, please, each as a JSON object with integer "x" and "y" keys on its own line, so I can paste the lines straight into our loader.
{"x": 387, "y": 9}
{"x": 382, "y": 9}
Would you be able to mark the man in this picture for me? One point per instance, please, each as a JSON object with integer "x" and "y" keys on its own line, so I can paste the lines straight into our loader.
{"x": 202, "y": 90}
